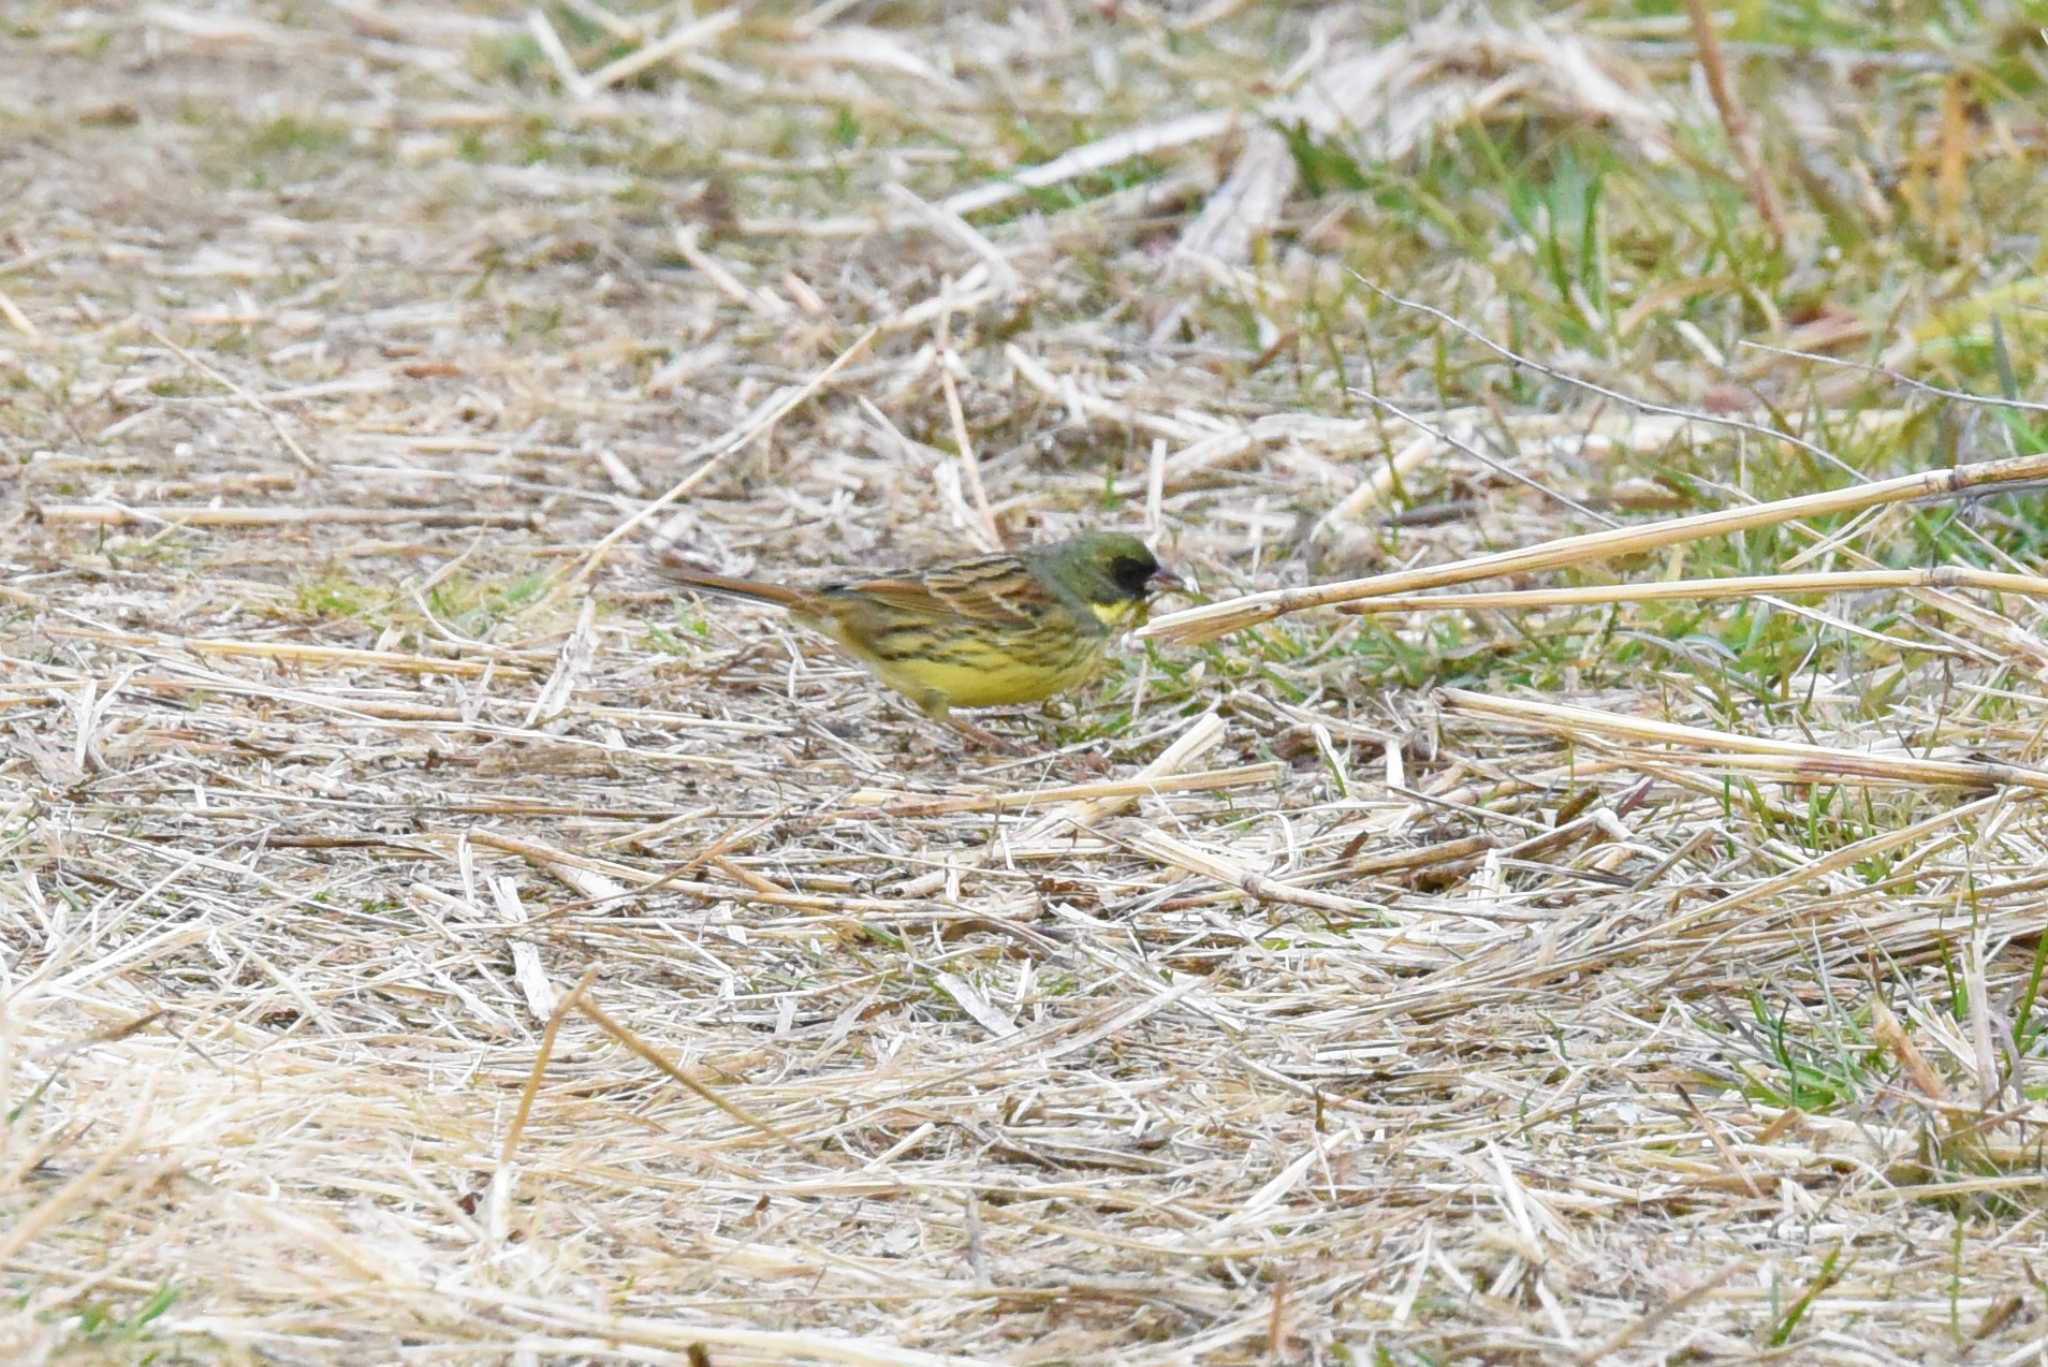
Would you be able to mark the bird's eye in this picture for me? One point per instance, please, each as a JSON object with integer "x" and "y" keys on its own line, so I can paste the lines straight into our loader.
{"x": 1133, "y": 575}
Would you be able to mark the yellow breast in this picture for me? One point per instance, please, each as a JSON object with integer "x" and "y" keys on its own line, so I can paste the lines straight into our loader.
{"x": 977, "y": 674}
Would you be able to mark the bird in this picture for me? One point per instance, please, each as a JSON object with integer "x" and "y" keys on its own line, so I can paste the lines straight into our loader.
{"x": 993, "y": 631}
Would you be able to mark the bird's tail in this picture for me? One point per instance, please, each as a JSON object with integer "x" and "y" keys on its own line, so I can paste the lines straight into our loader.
{"x": 682, "y": 572}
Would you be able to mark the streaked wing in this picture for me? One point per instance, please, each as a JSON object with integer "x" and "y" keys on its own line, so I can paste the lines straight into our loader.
{"x": 996, "y": 588}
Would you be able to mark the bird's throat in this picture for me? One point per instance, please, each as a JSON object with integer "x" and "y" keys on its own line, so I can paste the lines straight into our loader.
{"x": 1119, "y": 616}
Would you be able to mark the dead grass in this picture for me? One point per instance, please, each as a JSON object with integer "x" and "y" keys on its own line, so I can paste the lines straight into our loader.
{"x": 422, "y": 939}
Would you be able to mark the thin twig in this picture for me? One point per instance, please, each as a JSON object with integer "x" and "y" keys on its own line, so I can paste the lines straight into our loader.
{"x": 1629, "y": 400}
{"x": 1898, "y": 377}
{"x": 1500, "y": 467}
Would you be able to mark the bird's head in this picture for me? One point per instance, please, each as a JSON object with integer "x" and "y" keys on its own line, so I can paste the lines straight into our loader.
{"x": 1114, "y": 573}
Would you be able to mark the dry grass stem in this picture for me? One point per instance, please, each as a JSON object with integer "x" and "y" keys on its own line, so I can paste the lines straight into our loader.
{"x": 1216, "y": 619}
{"x": 1105, "y": 790}
{"x": 1734, "y": 586}
{"x": 1729, "y": 106}
{"x": 71, "y": 514}
{"x": 703, "y": 1092}
{"x": 701, "y": 32}
{"x": 1760, "y": 753}
{"x": 340, "y": 657}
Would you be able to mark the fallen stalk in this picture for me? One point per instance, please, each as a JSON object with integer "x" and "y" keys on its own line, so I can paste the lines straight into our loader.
{"x": 1736, "y": 586}
{"x": 1216, "y": 619}
{"x": 1795, "y": 760}
{"x": 115, "y": 515}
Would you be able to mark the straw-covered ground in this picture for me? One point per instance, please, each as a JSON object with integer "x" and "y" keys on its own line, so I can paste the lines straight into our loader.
{"x": 424, "y": 937}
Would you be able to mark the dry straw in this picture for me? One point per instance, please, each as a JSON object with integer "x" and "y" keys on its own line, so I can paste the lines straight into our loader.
{"x": 1729, "y": 586}
{"x": 1217, "y": 619}
{"x": 1795, "y": 760}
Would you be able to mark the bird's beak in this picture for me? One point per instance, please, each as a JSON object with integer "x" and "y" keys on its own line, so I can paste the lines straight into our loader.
{"x": 1164, "y": 579}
